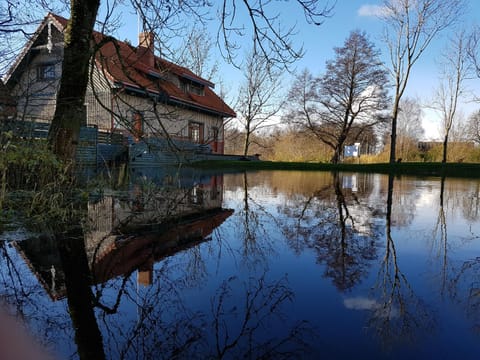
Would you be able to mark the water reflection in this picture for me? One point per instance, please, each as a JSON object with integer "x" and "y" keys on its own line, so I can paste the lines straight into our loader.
{"x": 152, "y": 231}
{"x": 256, "y": 265}
{"x": 340, "y": 226}
{"x": 400, "y": 315}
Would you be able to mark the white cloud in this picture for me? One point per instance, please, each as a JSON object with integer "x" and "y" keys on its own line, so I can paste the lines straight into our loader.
{"x": 371, "y": 10}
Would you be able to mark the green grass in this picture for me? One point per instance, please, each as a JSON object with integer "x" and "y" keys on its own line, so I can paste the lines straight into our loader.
{"x": 471, "y": 170}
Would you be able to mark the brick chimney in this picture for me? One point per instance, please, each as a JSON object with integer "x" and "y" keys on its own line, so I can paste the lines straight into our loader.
{"x": 146, "y": 48}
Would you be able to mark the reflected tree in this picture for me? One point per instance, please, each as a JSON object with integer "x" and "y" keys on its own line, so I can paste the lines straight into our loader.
{"x": 440, "y": 233}
{"x": 80, "y": 297}
{"x": 70, "y": 277}
{"x": 404, "y": 206}
{"x": 452, "y": 197}
{"x": 346, "y": 255}
{"x": 471, "y": 203}
{"x": 161, "y": 322}
{"x": 255, "y": 235}
{"x": 465, "y": 290}
{"x": 400, "y": 315}
{"x": 461, "y": 281}
{"x": 238, "y": 328}
{"x": 232, "y": 326}
{"x": 342, "y": 234}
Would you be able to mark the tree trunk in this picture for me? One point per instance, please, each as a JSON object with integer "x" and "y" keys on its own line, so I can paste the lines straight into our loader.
{"x": 393, "y": 134}
{"x": 336, "y": 156}
{"x": 80, "y": 297}
{"x": 246, "y": 144}
{"x": 338, "y": 149}
{"x": 445, "y": 144}
{"x": 70, "y": 111}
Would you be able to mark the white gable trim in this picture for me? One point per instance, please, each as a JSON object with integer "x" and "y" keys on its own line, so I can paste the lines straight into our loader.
{"x": 49, "y": 20}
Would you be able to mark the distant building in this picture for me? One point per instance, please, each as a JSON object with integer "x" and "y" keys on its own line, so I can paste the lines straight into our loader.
{"x": 427, "y": 145}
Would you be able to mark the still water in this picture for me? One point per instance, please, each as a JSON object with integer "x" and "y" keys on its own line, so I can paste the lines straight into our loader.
{"x": 309, "y": 265}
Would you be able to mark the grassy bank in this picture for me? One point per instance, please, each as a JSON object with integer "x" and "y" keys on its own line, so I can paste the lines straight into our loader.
{"x": 471, "y": 170}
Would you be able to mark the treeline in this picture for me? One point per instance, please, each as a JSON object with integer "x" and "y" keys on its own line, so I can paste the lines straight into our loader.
{"x": 278, "y": 144}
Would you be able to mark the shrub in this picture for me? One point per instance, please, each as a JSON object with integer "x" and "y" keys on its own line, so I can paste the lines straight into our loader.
{"x": 27, "y": 165}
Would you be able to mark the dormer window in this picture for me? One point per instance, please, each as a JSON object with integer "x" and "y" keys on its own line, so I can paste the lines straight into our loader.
{"x": 197, "y": 89}
{"x": 46, "y": 72}
{"x": 190, "y": 87}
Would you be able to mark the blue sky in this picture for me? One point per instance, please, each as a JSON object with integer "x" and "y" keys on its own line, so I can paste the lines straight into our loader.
{"x": 319, "y": 42}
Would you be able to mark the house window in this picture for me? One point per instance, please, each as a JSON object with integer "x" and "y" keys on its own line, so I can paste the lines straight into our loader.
{"x": 195, "y": 132}
{"x": 190, "y": 87}
{"x": 45, "y": 72}
{"x": 197, "y": 89}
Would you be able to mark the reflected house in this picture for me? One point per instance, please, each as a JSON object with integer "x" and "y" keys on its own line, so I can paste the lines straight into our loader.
{"x": 43, "y": 258}
{"x": 141, "y": 251}
{"x": 133, "y": 94}
{"x": 123, "y": 236}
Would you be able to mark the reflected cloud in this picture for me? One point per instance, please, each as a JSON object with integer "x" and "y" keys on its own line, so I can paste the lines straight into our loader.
{"x": 363, "y": 303}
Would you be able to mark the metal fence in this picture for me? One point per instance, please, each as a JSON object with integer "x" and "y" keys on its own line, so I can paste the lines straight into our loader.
{"x": 94, "y": 146}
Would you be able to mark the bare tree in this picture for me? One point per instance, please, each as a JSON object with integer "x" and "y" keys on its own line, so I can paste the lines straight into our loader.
{"x": 258, "y": 99}
{"x": 455, "y": 71}
{"x": 303, "y": 101}
{"x": 473, "y": 49}
{"x": 352, "y": 93}
{"x": 410, "y": 27}
{"x": 473, "y": 127}
{"x": 196, "y": 53}
{"x": 409, "y": 126}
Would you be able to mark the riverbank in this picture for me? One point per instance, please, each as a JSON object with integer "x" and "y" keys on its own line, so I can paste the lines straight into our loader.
{"x": 471, "y": 170}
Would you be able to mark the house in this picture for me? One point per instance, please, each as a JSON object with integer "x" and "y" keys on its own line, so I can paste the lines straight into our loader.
{"x": 131, "y": 90}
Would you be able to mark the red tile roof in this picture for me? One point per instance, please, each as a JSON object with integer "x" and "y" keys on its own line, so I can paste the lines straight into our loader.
{"x": 125, "y": 65}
